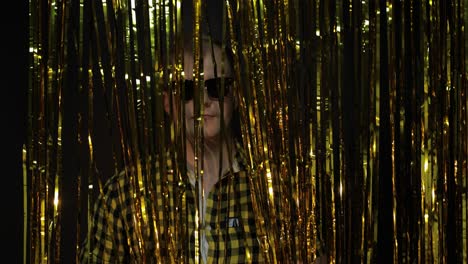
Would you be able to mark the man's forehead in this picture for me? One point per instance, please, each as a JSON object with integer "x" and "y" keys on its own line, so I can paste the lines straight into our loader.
{"x": 223, "y": 67}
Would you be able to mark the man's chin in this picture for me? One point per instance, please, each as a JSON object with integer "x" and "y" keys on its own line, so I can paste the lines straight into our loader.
{"x": 211, "y": 136}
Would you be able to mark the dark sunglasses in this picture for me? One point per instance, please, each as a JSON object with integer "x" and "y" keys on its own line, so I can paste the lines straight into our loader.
{"x": 213, "y": 87}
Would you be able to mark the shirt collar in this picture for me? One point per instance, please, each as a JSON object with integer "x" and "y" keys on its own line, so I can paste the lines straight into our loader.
{"x": 236, "y": 166}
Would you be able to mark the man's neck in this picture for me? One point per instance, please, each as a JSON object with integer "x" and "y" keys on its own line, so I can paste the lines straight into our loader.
{"x": 212, "y": 151}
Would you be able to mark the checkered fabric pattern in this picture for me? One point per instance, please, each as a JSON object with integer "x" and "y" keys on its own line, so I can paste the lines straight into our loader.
{"x": 229, "y": 226}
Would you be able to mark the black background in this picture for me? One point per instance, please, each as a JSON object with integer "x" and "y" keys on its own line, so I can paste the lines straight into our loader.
{"x": 14, "y": 83}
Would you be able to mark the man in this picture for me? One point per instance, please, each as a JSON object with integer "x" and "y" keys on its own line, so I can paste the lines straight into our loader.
{"x": 204, "y": 212}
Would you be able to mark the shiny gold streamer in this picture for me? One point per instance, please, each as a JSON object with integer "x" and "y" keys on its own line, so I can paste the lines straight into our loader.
{"x": 354, "y": 114}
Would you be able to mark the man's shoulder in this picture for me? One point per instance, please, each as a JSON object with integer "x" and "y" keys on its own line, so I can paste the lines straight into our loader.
{"x": 119, "y": 181}
{"x": 241, "y": 156}
{"x": 124, "y": 177}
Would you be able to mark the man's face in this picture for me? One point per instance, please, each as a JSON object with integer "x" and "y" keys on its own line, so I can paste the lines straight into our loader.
{"x": 211, "y": 113}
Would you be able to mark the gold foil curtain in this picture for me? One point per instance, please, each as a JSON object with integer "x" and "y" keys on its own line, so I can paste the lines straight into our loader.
{"x": 354, "y": 114}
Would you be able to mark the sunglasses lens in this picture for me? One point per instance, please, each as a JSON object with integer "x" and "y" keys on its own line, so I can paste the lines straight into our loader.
{"x": 188, "y": 86}
{"x": 213, "y": 86}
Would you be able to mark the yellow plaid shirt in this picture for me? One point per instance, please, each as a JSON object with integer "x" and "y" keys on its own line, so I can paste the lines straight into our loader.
{"x": 226, "y": 233}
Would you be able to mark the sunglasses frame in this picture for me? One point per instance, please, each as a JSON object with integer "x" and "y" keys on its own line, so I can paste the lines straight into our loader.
{"x": 212, "y": 86}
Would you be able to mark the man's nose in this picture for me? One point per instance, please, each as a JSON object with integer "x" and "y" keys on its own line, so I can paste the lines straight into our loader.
{"x": 206, "y": 98}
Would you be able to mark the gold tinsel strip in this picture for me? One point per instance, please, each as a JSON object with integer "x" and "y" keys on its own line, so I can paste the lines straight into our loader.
{"x": 354, "y": 114}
